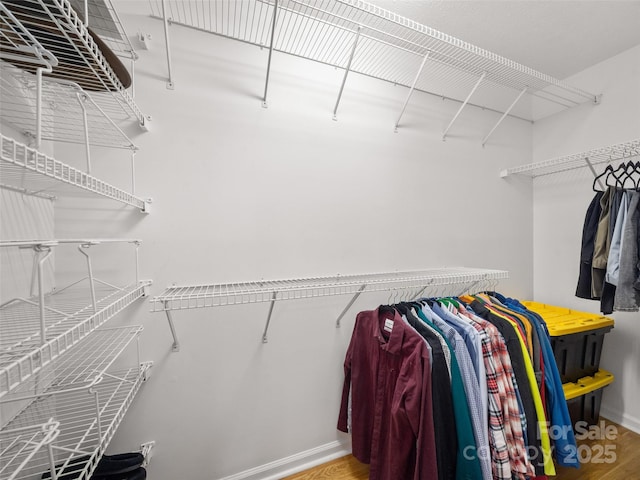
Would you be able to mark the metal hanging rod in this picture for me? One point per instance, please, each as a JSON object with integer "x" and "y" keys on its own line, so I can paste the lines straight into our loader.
{"x": 215, "y": 295}
{"x": 390, "y": 47}
{"x": 26, "y": 169}
{"x": 38, "y": 329}
{"x": 78, "y": 241}
{"x": 611, "y": 153}
{"x": 88, "y": 419}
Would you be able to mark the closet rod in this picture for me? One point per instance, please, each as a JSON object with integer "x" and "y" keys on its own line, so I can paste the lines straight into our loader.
{"x": 611, "y": 153}
{"x": 215, "y": 295}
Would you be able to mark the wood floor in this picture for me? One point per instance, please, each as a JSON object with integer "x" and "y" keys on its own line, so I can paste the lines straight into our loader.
{"x": 614, "y": 456}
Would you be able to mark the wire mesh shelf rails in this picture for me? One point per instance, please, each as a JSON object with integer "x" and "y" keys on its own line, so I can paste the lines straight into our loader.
{"x": 359, "y": 37}
{"x": 36, "y": 331}
{"x": 18, "y": 446}
{"x": 88, "y": 419}
{"x": 609, "y": 154}
{"x": 25, "y": 169}
{"x": 56, "y": 83}
{"x": 410, "y": 283}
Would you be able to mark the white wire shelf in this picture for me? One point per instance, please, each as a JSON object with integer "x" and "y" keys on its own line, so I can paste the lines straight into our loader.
{"x": 610, "y": 154}
{"x": 414, "y": 283}
{"x": 18, "y": 44}
{"x": 30, "y": 171}
{"x": 385, "y": 46}
{"x": 83, "y": 365}
{"x": 57, "y": 26}
{"x": 69, "y": 317}
{"x": 103, "y": 19}
{"x": 202, "y": 296}
{"x": 65, "y": 107}
{"x": 18, "y": 446}
{"x": 88, "y": 419}
{"x": 51, "y": 39}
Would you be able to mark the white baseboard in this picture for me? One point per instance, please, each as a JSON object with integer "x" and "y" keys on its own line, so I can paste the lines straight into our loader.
{"x": 626, "y": 420}
{"x": 294, "y": 463}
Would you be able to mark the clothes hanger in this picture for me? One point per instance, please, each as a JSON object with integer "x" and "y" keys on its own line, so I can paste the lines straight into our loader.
{"x": 627, "y": 176}
{"x": 605, "y": 173}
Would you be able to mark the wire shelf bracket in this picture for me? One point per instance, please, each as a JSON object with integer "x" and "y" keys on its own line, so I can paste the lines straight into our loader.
{"x": 413, "y": 283}
{"x": 608, "y": 154}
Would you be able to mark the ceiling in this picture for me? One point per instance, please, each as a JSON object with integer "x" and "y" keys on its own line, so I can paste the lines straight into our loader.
{"x": 557, "y": 37}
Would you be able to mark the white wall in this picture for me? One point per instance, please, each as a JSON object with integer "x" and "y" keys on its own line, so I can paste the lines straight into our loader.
{"x": 243, "y": 193}
{"x": 560, "y": 204}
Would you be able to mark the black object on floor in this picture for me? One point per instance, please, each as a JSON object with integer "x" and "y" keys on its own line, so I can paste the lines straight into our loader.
{"x": 108, "y": 466}
{"x": 139, "y": 474}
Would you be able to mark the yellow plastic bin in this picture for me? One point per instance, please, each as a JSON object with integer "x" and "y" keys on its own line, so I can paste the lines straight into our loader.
{"x": 576, "y": 338}
{"x": 585, "y": 396}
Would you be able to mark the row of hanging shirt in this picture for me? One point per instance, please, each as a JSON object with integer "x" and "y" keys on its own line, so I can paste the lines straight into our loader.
{"x": 610, "y": 254}
{"x": 455, "y": 388}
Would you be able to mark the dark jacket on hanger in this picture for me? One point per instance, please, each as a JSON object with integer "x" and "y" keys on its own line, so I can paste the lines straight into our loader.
{"x": 627, "y": 296}
{"x": 601, "y": 244}
{"x": 583, "y": 289}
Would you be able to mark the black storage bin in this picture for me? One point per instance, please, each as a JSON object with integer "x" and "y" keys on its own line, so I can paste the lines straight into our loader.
{"x": 577, "y": 339}
{"x": 585, "y": 396}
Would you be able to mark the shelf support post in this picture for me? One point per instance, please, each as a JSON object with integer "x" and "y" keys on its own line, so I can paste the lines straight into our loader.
{"x": 81, "y": 99}
{"x": 413, "y": 86}
{"x": 39, "y": 108}
{"x": 170, "y": 84}
{"x": 133, "y": 172}
{"x": 98, "y": 419}
{"x": 52, "y": 463}
{"x": 176, "y": 345}
{"x": 346, "y": 72}
{"x": 266, "y": 327}
{"x": 43, "y": 326}
{"x": 90, "y": 270}
{"x": 464, "y": 104}
{"x": 351, "y": 302}
{"x": 504, "y": 115}
{"x": 421, "y": 291}
{"x": 271, "y": 41}
{"x": 593, "y": 170}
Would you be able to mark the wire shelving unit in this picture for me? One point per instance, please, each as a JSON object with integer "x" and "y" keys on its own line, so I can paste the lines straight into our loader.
{"x": 609, "y": 154}
{"x": 104, "y": 20}
{"x": 88, "y": 419}
{"x": 359, "y": 37}
{"x": 35, "y": 331}
{"x": 55, "y": 82}
{"x": 57, "y": 27}
{"x": 411, "y": 283}
{"x": 69, "y": 114}
{"x": 27, "y": 170}
{"x": 18, "y": 446}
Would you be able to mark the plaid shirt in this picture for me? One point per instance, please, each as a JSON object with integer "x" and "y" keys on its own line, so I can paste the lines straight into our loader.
{"x": 508, "y": 450}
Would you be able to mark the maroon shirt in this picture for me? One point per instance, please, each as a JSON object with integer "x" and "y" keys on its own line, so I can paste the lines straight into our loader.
{"x": 389, "y": 377}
